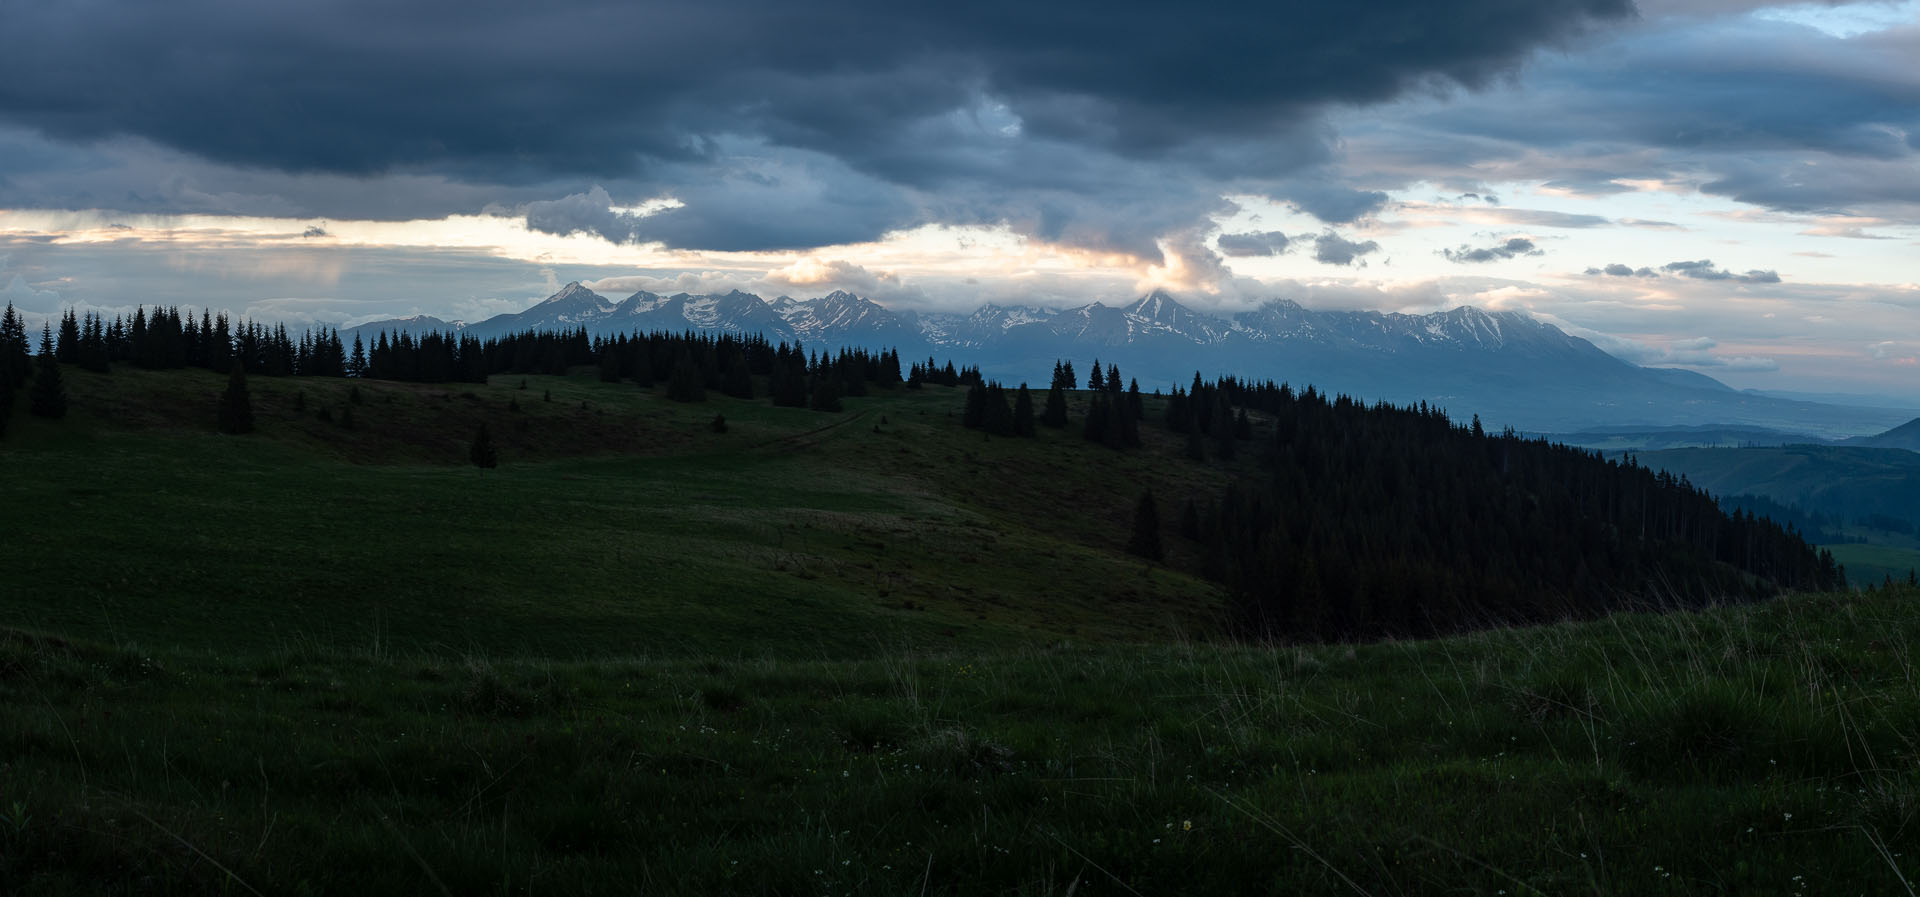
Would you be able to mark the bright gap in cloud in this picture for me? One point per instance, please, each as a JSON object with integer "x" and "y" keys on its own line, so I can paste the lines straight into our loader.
{"x": 1849, "y": 20}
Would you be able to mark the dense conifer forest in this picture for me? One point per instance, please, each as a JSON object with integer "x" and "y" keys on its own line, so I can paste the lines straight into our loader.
{"x": 1377, "y": 520}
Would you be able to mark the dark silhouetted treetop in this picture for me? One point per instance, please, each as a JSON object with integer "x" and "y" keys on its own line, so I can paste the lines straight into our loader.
{"x": 48, "y": 396}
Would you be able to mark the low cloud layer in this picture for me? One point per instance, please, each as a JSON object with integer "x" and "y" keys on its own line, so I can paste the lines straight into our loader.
{"x": 1696, "y": 352}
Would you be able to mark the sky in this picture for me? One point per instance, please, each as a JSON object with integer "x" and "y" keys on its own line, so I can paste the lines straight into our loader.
{"x": 1730, "y": 186}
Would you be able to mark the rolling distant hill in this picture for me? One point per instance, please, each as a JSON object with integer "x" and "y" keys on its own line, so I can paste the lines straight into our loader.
{"x": 1636, "y": 439}
{"x": 1906, "y": 436}
{"x": 1507, "y": 367}
{"x": 1847, "y": 481}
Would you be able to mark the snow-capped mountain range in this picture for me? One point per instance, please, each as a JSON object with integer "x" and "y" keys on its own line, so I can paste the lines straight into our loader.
{"x": 1509, "y": 367}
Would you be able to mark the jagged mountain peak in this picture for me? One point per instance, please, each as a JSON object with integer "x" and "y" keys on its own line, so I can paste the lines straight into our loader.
{"x": 575, "y": 292}
{"x": 1156, "y": 305}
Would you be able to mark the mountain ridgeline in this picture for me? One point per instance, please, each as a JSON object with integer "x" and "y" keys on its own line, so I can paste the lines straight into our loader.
{"x": 1509, "y": 367}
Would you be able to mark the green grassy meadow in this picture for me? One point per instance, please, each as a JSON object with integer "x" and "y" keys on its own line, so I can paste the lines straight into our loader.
{"x": 863, "y": 653}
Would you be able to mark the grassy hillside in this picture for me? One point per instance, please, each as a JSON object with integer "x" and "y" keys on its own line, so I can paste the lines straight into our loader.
{"x": 1765, "y": 749}
{"x": 864, "y": 653}
{"x": 618, "y": 522}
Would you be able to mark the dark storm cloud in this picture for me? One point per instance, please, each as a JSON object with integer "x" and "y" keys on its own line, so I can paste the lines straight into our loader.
{"x": 1783, "y": 182}
{"x": 1704, "y": 270}
{"x": 957, "y": 100}
{"x": 1272, "y": 242}
{"x": 1333, "y": 203}
{"x": 1764, "y": 112}
{"x": 1512, "y": 247}
{"x": 1740, "y": 85}
{"x": 1332, "y": 249}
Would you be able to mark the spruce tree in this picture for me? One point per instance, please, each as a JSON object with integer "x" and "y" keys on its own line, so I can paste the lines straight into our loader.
{"x": 1023, "y": 413}
{"x": 93, "y": 346}
{"x": 16, "y": 364}
{"x": 739, "y": 383}
{"x": 1146, "y": 529}
{"x": 1128, "y": 421}
{"x": 236, "y": 409}
{"x": 67, "y": 350}
{"x": 1196, "y": 447}
{"x": 1094, "y": 427}
{"x": 686, "y": 384}
{"x": 1055, "y": 415}
{"x": 1222, "y": 426}
{"x": 1117, "y": 423}
{"x": 826, "y": 393}
{"x": 999, "y": 420}
{"x": 974, "y": 416}
{"x": 48, "y": 398}
{"x": 481, "y": 452}
{"x": 1176, "y": 414}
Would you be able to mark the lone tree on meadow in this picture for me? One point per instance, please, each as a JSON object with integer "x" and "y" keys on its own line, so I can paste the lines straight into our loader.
{"x": 481, "y": 453}
{"x": 1055, "y": 415}
{"x": 1146, "y": 530}
{"x": 1023, "y": 413}
{"x": 48, "y": 397}
{"x": 236, "y": 409}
